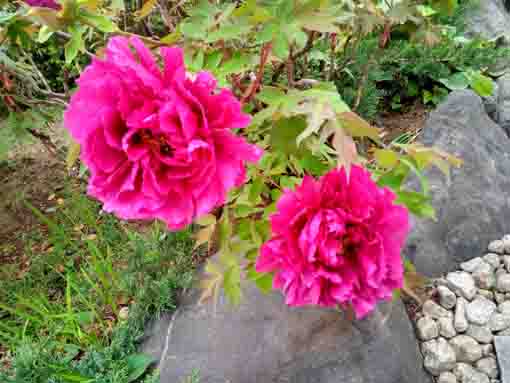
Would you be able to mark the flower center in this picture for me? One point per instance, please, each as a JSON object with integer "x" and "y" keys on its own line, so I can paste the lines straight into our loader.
{"x": 350, "y": 242}
{"x": 158, "y": 144}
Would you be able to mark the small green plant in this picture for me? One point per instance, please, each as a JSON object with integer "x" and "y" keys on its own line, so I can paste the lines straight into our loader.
{"x": 78, "y": 313}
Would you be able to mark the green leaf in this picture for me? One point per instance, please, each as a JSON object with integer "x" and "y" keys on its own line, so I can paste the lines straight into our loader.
{"x": 264, "y": 281}
{"x": 417, "y": 203}
{"x": 74, "y": 45}
{"x": 458, "y": 81}
{"x": 232, "y": 284}
{"x": 281, "y": 46}
{"x": 103, "y": 23}
{"x": 358, "y": 127}
{"x": 289, "y": 182}
{"x": 285, "y": 132}
{"x": 394, "y": 178}
{"x": 481, "y": 84}
{"x": 228, "y": 32}
{"x": 213, "y": 60}
{"x": 313, "y": 165}
{"x": 44, "y": 34}
{"x": 256, "y": 189}
{"x": 425, "y": 10}
{"x": 73, "y": 377}
{"x": 137, "y": 365}
{"x": 270, "y": 95}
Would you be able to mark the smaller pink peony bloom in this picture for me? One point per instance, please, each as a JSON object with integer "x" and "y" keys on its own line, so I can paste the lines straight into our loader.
{"x": 43, "y": 4}
{"x": 158, "y": 143}
{"x": 337, "y": 241}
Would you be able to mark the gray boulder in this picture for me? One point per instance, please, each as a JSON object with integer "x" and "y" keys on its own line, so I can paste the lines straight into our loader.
{"x": 488, "y": 19}
{"x": 473, "y": 206}
{"x": 502, "y": 115}
{"x": 264, "y": 340}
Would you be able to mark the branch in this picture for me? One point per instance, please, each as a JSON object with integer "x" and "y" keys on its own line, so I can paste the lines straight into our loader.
{"x": 308, "y": 46}
{"x": 264, "y": 55}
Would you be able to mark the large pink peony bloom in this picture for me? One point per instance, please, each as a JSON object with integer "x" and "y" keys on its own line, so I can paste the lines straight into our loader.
{"x": 158, "y": 144}
{"x": 337, "y": 241}
{"x": 43, "y": 3}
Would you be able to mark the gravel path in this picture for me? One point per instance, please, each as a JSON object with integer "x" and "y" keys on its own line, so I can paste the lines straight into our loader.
{"x": 471, "y": 306}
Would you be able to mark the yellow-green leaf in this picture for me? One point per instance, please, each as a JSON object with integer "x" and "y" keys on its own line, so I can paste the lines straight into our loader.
{"x": 73, "y": 152}
{"x": 206, "y": 220}
{"x": 358, "y": 127}
{"x": 146, "y": 9}
{"x": 386, "y": 158}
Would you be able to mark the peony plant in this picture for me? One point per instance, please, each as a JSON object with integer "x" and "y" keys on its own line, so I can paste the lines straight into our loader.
{"x": 214, "y": 125}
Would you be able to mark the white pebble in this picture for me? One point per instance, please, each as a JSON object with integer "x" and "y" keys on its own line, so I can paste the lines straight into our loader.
{"x": 447, "y": 297}
{"x": 427, "y": 328}
{"x": 433, "y": 310}
{"x": 446, "y": 327}
{"x": 466, "y": 348}
{"x": 462, "y": 283}
{"x": 447, "y": 377}
{"x": 497, "y": 247}
{"x": 460, "y": 322}
{"x": 492, "y": 259}
{"x": 471, "y": 265}
{"x": 488, "y": 366}
{"x": 480, "y": 310}
{"x": 503, "y": 283}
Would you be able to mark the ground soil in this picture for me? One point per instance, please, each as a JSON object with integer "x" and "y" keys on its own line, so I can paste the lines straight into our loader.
{"x": 410, "y": 121}
{"x": 29, "y": 173}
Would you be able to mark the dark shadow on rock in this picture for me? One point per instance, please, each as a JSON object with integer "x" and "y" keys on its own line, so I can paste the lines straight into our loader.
{"x": 473, "y": 207}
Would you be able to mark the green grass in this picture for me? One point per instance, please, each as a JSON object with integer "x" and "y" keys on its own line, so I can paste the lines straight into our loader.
{"x": 64, "y": 319}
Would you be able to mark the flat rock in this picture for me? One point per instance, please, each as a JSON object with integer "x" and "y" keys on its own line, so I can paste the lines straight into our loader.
{"x": 502, "y": 345}
{"x": 263, "y": 340}
{"x": 472, "y": 207}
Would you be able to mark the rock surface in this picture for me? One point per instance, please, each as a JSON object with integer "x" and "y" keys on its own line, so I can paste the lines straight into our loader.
{"x": 264, "y": 340}
{"x": 502, "y": 344}
{"x": 473, "y": 204}
{"x": 489, "y": 20}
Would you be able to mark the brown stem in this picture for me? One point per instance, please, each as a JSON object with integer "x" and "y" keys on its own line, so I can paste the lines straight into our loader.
{"x": 252, "y": 89}
{"x": 308, "y": 46}
{"x": 290, "y": 70}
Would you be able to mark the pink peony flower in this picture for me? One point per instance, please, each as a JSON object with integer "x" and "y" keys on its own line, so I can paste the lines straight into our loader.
{"x": 158, "y": 144}
{"x": 43, "y": 4}
{"x": 336, "y": 241}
